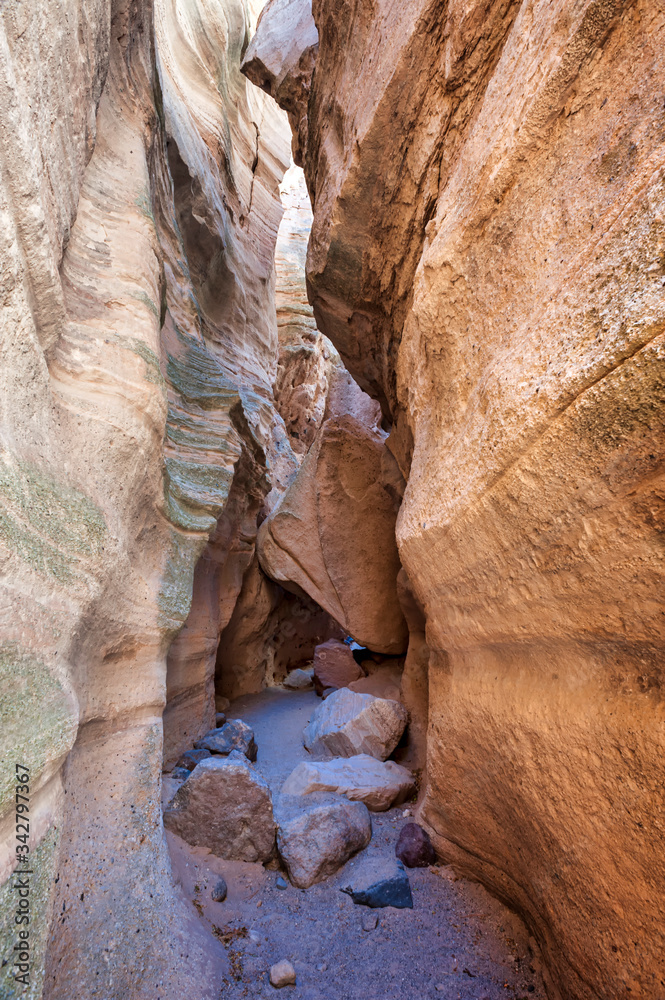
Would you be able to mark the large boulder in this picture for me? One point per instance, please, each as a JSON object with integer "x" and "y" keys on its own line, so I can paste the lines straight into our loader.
{"x": 333, "y": 533}
{"x": 348, "y": 723}
{"x": 379, "y": 784}
{"x": 318, "y": 833}
{"x": 226, "y": 806}
{"x": 334, "y": 666}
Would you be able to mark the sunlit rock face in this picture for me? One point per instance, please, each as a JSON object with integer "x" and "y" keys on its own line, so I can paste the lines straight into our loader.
{"x": 487, "y": 255}
{"x": 140, "y": 209}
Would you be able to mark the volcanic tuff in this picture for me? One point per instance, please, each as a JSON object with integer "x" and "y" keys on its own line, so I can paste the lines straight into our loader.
{"x": 195, "y": 493}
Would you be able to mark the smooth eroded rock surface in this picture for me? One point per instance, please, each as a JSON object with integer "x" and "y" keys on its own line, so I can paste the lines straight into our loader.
{"x": 487, "y": 256}
{"x": 347, "y": 723}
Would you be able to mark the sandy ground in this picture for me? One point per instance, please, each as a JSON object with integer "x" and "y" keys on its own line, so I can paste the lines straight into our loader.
{"x": 458, "y": 943}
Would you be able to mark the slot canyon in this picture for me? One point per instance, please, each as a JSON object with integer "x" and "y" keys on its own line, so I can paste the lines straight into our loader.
{"x": 332, "y": 499}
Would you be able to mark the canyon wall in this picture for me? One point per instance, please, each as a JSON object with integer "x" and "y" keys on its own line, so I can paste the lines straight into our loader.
{"x": 140, "y": 209}
{"x": 488, "y": 256}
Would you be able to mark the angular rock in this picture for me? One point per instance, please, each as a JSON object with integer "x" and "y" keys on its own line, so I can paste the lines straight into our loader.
{"x": 226, "y": 806}
{"x": 220, "y": 719}
{"x": 318, "y": 833}
{"x": 191, "y": 758}
{"x": 348, "y": 723}
{"x": 414, "y": 847}
{"x": 180, "y": 773}
{"x": 219, "y": 891}
{"x": 378, "y": 884}
{"x": 379, "y": 784}
{"x": 334, "y": 666}
{"x": 233, "y": 735}
{"x": 327, "y": 692}
{"x": 369, "y": 921}
{"x": 222, "y": 704}
{"x": 298, "y": 680}
{"x": 282, "y": 974}
{"x": 281, "y": 60}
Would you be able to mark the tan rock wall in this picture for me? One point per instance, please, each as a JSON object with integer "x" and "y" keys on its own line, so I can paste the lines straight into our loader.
{"x": 487, "y": 256}
{"x": 133, "y": 386}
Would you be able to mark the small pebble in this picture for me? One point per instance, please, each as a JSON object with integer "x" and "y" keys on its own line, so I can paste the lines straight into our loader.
{"x": 260, "y": 903}
{"x": 369, "y": 921}
{"x": 255, "y": 937}
{"x": 281, "y": 883}
{"x": 407, "y": 812}
{"x": 219, "y": 892}
{"x": 440, "y": 987}
{"x": 323, "y": 967}
{"x": 282, "y": 974}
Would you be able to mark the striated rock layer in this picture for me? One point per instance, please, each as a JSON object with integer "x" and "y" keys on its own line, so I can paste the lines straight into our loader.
{"x": 488, "y": 256}
{"x": 140, "y": 208}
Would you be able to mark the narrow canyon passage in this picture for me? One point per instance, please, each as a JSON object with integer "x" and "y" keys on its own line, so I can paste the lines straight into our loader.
{"x": 332, "y": 404}
{"x": 456, "y": 942}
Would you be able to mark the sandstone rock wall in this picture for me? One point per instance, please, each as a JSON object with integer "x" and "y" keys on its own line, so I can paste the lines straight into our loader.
{"x": 487, "y": 255}
{"x": 140, "y": 210}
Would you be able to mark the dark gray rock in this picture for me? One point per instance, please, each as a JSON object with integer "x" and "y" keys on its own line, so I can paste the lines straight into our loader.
{"x": 220, "y": 719}
{"x": 378, "y": 884}
{"x": 233, "y": 735}
{"x": 180, "y": 773}
{"x": 281, "y": 883}
{"x": 191, "y": 758}
{"x": 219, "y": 892}
{"x": 414, "y": 847}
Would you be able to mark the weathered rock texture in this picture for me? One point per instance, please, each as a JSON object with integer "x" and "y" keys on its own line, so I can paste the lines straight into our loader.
{"x": 226, "y": 806}
{"x": 379, "y": 784}
{"x": 139, "y": 203}
{"x": 348, "y": 723}
{"x": 333, "y": 533}
{"x": 488, "y": 256}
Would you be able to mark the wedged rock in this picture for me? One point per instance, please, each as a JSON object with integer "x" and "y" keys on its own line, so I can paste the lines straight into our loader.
{"x": 226, "y": 806}
{"x": 414, "y": 847}
{"x": 298, "y": 680}
{"x": 327, "y": 692}
{"x": 233, "y": 735}
{"x": 383, "y": 681}
{"x": 380, "y": 883}
{"x": 280, "y": 59}
{"x": 190, "y": 758}
{"x": 379, "y": 784}
{"x": 222, "y": 705}
{"x": 220, "y": 719}
{"x": 180, "y": 773}
{"x": 318, "y": 833}
{"x": 334, "y": 666}
{"x": 347, "y": 723}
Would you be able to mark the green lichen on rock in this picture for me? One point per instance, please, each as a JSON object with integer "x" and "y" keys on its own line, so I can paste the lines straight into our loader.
{"x": 196, "y": 493}
{"x": 199, "y": 378}
{"x": 42, "y": 864}
{"x": 50, "y": 526}
{"x": 175, "y": 593}
{"x": 38, "y": 719}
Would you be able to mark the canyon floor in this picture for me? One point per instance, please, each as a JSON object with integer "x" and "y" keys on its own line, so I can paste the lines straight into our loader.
{"x": 457, "y": 943}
